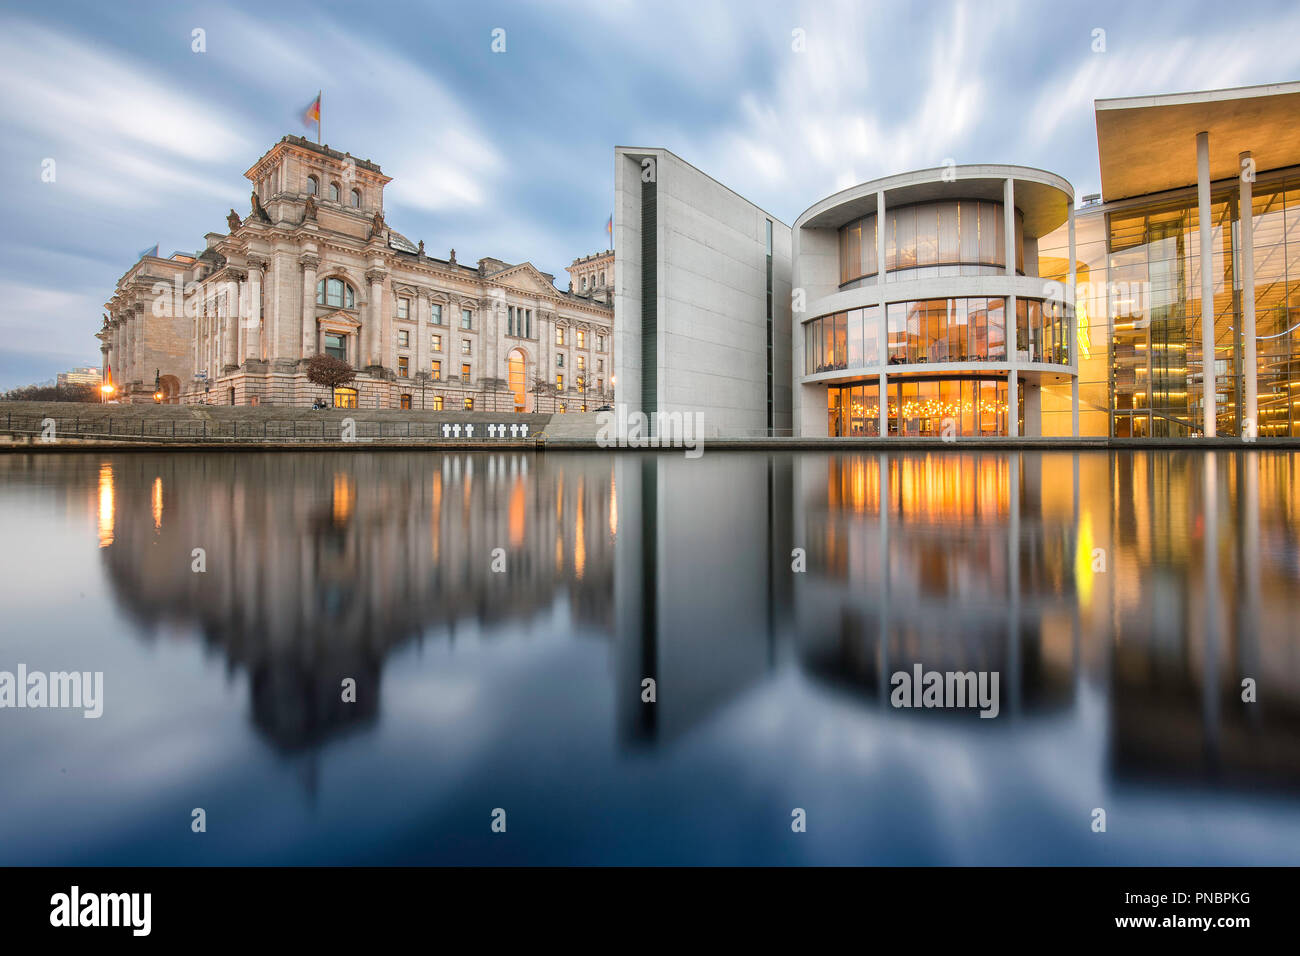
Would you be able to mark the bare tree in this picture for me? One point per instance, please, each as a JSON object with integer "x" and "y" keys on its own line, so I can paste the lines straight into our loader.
{"x": 541, "y": 386}
{"x": 423, "y": 379}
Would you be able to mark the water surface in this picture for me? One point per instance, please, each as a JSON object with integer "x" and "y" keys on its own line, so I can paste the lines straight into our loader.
{"x": 1122, "y": 598}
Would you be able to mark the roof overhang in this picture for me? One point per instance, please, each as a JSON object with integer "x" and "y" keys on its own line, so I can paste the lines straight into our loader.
{"x": 1043, "y": 198}
{"x": 1147, "y": 144}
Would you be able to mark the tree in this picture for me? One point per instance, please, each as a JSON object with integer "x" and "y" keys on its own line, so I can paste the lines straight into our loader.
{"x": 541, "y": 386}
{"x": 423, "y": 379}
{"x": 329, "y": 372}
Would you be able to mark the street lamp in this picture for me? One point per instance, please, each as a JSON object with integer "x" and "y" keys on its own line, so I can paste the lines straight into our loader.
{"x": 105, "y": 390}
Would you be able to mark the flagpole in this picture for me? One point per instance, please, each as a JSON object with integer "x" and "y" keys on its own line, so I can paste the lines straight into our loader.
{"x": 319, "y": 94}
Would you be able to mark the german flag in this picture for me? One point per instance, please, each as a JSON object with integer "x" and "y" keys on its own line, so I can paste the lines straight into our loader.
{"x": 312, "y": 114}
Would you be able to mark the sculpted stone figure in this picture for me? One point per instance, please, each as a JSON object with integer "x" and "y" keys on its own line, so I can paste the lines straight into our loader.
{"x": 233, "y": 221}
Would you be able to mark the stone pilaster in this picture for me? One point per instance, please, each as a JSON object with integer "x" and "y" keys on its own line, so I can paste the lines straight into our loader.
{"x": 308, "y": 345}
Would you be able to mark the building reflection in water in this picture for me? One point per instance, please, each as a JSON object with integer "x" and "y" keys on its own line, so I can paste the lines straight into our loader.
{"x": 1154, "y": 581}
{"x": 318, "y": 567}
{"x": 1162, "y": 578}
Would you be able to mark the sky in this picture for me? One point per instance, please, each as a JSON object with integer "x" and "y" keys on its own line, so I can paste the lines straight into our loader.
{"x": 117, "y": 133}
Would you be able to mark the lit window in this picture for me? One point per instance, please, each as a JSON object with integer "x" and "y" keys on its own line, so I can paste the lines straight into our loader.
{"x": 559, "y": 383}
{"x": 313, "y": 186}
{"x": 336, "y": 293}
{"x": 436, "y": 403}
{"x": 356, "y": 199}
{"x": 436, "y": 341}
{"x": 436, "y": 370}
{"x": 559, "y": 336}
{"x": 403, "y": 308}
{"x": 403, "y": 338}
{"x": 406, "y": 400}
{"x": 436, "y": 318}
{"x": 469, "y": 404}
{"x": 403, "y": 366}
{"x": 582, "y": 339}
{"x": 464, "y": 373}
{"x": 582, "y": 363}
{"x": 466, "y": 319}
{"x": 334, "y": 192}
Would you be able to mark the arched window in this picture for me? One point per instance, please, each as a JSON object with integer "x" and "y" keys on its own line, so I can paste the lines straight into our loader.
{"x": 356, "y": 199}
{"x": 313, "y": 186}
{"x": 334, "y": 192}
{"x": 336, "y": 293}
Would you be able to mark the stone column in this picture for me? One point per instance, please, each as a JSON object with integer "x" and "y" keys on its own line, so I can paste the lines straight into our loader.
{"x": 883, "y": 331}
{"x": 308, "y": 341}
{"x": 253, "y": 331}
{"x": 1249, "y": 361}
{"x": 422, "y": 332}
{"x": 1210, "y": 421}
{"x": 137, "y": 341}
{"x": 377, "y": 331}
{"x": 1009, "y": 311}
{"x": 1071, "y": 303}
{"x": 228, "y": 319}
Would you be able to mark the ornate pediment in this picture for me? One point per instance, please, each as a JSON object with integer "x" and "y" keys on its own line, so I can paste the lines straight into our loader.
{"x": 338, "y": 321}
{"x": 526, "y": 278}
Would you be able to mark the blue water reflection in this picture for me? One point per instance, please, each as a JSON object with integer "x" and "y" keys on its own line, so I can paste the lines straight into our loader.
{"x": 1121, "y": 597}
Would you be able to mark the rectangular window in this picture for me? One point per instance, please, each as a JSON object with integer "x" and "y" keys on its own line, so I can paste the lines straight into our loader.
{"x": 466, "y": 319}
{"x": 403, "y": 338}
{"x": 465, "y": 346}
{"x": 600, "y": 343}
{"x": 403, "y": 308}
{"x": 559, "y": 336}
{"x": 436, "y": 315}
{"x": 855, "y": 338}
{"x": 559, "y": 383}
{"x": 600, "y": 385}
{"x": 582, "y": 336}
{"x": 406, "y": 400}
{"x": 403, "y": 367}
{"x": 528, "y": 317}
{"x": 435, "y": 369}
{"x": 897, "y": 332}
{"x": 580, "y": 381}
{"x": 336, "y": 345}
{"x": 469, "y": 404}
{"x": 436, "y": 341}
{"x": 559, "y": 360}
{"x": 436, "y": 403}
{"x": 464, "y": 372}
{"x": 582, "y": 363}
{"x": 510, "y": 320}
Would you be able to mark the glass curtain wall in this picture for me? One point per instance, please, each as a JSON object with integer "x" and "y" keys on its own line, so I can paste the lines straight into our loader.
{"x": 956, "y": 238}
{"x": 1139, "y": 275}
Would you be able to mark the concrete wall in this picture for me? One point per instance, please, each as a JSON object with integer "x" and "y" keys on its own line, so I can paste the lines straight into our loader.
{"x": 711, "y": 298}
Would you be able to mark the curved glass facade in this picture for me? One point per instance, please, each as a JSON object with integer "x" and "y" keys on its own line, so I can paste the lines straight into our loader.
{"x": 920, "y": 407}
{"x": 953, "y": 238}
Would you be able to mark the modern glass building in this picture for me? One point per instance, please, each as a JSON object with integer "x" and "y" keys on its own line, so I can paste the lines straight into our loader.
{"x": 925, "y": 311}
{"x": 983, "y": 300}
{"x": 1177, "y": 172}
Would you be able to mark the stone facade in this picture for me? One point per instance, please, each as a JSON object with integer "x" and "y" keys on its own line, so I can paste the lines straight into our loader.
{"x": 315, "y": 268}
{"x": 592, "y": 277}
